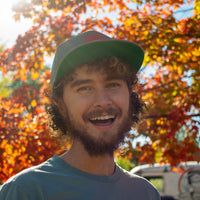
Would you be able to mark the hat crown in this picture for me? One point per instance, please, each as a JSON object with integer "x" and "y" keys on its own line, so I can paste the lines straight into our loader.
{"x": 90, "y": 46}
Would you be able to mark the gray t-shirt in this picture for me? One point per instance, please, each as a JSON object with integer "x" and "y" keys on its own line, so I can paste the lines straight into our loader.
{"x": 56, "y": 180}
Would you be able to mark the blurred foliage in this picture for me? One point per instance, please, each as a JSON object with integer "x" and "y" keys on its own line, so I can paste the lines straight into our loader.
{"x": 5, "y": 90}
{"x": 125, "y": 163}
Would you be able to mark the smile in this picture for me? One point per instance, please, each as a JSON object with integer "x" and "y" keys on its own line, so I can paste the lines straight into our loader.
{"x": 103, "y": 120}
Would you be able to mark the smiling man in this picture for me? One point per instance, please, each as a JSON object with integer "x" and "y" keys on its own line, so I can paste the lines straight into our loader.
{"x": 94, "y": 104}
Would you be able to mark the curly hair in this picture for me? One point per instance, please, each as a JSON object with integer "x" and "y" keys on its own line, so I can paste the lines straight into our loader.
{"x": 112, "y": 68}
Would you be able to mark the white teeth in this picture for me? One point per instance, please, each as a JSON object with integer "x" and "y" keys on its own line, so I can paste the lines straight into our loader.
{"x": 103, "y": 117}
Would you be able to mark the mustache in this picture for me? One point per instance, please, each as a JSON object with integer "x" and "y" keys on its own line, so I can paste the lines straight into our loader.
{"x": 100, "y": 112}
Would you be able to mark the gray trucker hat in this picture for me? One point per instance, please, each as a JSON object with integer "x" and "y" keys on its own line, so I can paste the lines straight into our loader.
{"x": 90, "y": 46}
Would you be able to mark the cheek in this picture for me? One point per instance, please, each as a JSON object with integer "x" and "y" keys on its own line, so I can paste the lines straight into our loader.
{"x": 126, "y": 102}
{"x": 76, "y": 106}
{"x": 124, "y": 98}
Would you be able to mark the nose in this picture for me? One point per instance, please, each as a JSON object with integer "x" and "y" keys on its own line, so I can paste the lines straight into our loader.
{"x": 102, "y": 98}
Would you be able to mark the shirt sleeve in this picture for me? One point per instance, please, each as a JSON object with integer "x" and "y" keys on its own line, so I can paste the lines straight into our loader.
{"x": 11, "y": 191}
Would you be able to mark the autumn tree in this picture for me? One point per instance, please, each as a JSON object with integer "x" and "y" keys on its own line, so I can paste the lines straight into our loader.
{"x": 169, "y": 79}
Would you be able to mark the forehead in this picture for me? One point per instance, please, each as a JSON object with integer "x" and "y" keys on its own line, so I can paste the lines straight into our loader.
{"x": 86, "y": 71}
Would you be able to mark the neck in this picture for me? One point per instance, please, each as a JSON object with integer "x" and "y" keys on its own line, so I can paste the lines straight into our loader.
{"x": 79, "y": 158}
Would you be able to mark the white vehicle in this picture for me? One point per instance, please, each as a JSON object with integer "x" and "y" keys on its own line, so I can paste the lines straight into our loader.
{"x": 183, "y": 184}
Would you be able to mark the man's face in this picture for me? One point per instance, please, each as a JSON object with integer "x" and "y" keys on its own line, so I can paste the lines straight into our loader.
{"x": 98, "y": 110}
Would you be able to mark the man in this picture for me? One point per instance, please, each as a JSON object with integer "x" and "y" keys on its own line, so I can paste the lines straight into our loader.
{"x": 94, "y": 104}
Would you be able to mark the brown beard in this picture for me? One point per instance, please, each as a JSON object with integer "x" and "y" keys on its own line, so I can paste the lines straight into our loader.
{"x": 98, "y": 147}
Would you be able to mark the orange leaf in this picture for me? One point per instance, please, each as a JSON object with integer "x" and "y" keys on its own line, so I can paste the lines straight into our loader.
{"x": 33, "y": 103}
{"x": 35, "y": 75}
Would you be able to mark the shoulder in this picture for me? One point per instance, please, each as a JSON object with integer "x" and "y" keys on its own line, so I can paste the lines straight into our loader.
{"x": 138, "y": 183}
{"x": 128, "y": 176}
{"x": 20, "y": 184}
{"x": 32, "y": 172}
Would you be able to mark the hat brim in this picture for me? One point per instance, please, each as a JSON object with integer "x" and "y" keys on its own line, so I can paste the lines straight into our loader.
{"x": 125, "y": 51}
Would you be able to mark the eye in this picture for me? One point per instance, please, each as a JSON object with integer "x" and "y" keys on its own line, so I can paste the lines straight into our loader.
{"x": 84, "y": 89}
{"x": 114, "y": 85}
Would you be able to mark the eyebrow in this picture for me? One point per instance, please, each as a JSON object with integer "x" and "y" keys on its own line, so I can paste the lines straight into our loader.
{"x": 80, "y": 82}
{"x": 85, "y": 81}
